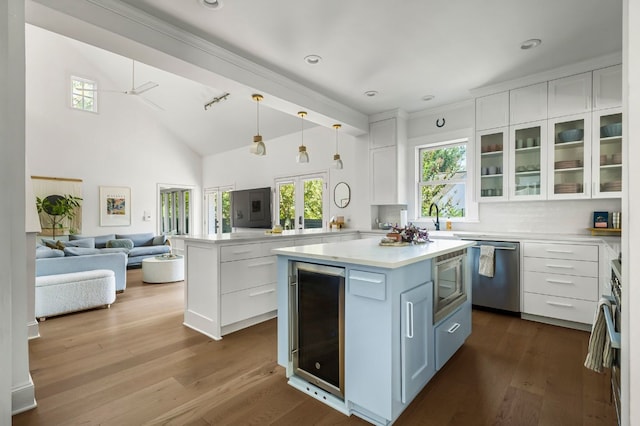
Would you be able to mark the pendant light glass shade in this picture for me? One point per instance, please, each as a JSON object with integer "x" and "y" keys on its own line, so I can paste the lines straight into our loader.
{"x": 303, "y": 155}
{"x": 257, "y": 147}
{"x": 337, "y": 162}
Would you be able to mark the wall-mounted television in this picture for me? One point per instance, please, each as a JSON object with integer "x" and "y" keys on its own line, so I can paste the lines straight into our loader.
{"x": 251, "y": 208}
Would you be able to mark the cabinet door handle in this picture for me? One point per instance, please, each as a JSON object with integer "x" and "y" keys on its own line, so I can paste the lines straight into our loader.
{"x": 255, "y": 265}
{"x": 259, "y": 293}
{"x": 549, "y": 280}
{"x": 366, "y": 280}
{"x": 559, "y": 251}
{"x": 560, "y": 266}
{"x": 410, "y": 320}
{"x": 564, "y": 305}
{"x": 241, "y": 251}
{"x": 453, "y": 328}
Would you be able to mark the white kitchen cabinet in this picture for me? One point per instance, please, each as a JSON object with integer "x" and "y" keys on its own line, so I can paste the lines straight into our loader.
{"x": 570, "y": 95}
{"x": 493, "y": 165}
{"x": 569, "y": 156}
{"x": 416, "y": 345}
{"x": 560, "y": 281}
{"x": 387, "y": 161}
{"x": 607, "y": 88}
{"x": 232, "y": 285}
{"x": 528, "y": 161}
{"x": 492, "y": 111}
{"x": 607, "y": 154}
{"x": 383, "y": 133}
{"x": 528, "y": 104}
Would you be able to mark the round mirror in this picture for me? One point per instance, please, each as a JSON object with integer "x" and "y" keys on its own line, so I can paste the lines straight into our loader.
{"x": 342, "y": 195}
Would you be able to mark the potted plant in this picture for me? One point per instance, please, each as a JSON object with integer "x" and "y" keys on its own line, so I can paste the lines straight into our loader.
{"x": 59, "y": 209}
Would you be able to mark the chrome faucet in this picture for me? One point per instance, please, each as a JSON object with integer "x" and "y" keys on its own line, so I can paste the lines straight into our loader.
{"x": 437, "y": 221}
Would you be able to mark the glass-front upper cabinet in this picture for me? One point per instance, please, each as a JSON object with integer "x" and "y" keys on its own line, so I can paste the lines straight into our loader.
{"x": 569, "y": 157}
{"x": 493, "y": 165}
{"x": 607, "y": 154}
{"x": 527, "y": 161}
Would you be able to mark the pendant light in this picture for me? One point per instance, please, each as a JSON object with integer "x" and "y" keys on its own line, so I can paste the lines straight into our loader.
{"x": 303, "y": 156}
{"x": 258, "y": 147}
{"x": 337, "y": 162}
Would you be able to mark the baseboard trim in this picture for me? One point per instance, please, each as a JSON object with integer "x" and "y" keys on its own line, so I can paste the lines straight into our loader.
{"x": 23, "y": 398}
{"x": 33, "y": 330}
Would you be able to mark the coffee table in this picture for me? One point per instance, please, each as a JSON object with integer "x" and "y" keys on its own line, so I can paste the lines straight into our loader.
{"x": 161, "y": 269}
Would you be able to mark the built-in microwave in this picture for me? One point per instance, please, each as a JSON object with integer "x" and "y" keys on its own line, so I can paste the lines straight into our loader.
{"x": 449, "y": 290}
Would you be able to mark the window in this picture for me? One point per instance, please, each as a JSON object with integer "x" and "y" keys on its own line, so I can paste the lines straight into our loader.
{"x": 174, "y": 211}
{"x": 84, "y": 94}
{"x": 442, "y": 179}
{"x": 306, "y": 194}
{"x": 218, "y": 210}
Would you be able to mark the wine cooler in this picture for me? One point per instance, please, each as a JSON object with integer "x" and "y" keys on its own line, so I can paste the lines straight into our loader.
{"x": 316, "y": 297}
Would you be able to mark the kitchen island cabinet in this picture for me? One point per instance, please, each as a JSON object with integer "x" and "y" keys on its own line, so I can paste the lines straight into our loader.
{"x": 230, "y": 280}
{"x": 389, "y": 343}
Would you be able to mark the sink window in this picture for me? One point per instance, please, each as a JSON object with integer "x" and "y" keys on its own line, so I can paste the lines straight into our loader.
{"x": 443, "y": 178}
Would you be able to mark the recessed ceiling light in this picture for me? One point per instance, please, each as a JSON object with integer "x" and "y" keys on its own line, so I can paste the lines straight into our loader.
{"x": 370, "y": 93}
{"x": 530, "y": 44}
{"x": 312, "y": 59}
{"x": 211, "y": 4}
{"x": 428, "y": 98}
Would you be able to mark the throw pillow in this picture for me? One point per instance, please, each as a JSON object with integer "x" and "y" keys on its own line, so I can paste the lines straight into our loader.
{"x": 120, "y": 243}
{"x": 80, "y": 251}
{"x": 88, "y": 242}
{"x": 43, "y": 252}
{"x": 159, "y": 240}
{"x": 52, "y": 244}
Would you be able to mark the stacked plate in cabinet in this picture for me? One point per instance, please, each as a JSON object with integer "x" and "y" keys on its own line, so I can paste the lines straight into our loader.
{"x": 616, "y": 158}
{"x": 613, "y": 186}
{"x": 568, "y": 164}
{"x": 567, "y": 188}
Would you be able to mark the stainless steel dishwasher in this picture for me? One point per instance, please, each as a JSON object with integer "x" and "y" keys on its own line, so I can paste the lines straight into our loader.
{"x": 502, "y": 291}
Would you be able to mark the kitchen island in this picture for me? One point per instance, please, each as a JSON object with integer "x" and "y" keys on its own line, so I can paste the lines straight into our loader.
{"x": 230, "y": 279}
{"x": 356, "y": 325}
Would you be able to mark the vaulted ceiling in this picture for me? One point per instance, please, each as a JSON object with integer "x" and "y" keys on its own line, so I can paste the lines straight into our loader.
{"x": 404, "y": 51}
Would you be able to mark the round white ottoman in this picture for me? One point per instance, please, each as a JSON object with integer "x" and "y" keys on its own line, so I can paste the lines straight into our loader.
{"x": 160, "y": 269}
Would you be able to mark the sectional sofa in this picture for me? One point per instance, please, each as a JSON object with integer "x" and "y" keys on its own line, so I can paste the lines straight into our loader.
{"x": 137, "y": 246}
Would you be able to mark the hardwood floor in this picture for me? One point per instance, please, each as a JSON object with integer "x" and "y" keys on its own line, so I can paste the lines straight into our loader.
{"x": 137, "y": 364}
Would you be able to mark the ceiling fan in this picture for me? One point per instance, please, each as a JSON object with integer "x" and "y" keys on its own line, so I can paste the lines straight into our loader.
{"x": 140, "y": 89}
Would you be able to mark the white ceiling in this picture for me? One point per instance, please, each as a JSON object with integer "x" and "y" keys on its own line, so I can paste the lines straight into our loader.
{"x": 404, "y": 50}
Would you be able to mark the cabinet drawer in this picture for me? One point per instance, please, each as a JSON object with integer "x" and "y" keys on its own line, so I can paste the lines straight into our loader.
{"x": 559, "y": 307}
{"x": 575, "y": 287}
{"x": 243, "y": 274}
{"x": 245, "y": 304}
{"x": 451, "y": 334}
{"x": 239, "y": 252}
{"x": 561, "y": 266}
{"x": 367, "y": 284}
{"x": 561, "y": 251}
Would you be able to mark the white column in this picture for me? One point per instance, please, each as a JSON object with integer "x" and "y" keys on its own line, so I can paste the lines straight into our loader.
{"x": 13, "y": 261}
{"x": 630, "y": 208}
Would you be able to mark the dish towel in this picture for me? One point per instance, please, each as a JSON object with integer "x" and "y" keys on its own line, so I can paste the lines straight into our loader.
{"x": 600, "y": 353}
{"x": 486, "y": 261}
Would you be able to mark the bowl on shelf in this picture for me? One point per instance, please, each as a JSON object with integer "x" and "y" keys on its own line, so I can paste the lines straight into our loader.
{"x": 385, "y": 226}
{"x": 570, "y": 135}
{"x": 611, "y": 130}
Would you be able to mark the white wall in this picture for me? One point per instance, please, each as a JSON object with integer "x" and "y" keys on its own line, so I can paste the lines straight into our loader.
{"x": 122, "y": 145}
{"x": 244, "y": 170}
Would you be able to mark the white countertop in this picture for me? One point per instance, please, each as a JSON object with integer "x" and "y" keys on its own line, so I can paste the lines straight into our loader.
{"x": 261, "y": 235}
{"x": 369, "y": 252}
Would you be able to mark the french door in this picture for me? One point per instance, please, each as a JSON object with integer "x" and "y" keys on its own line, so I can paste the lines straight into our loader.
{"x": 301, "y": 201}
{"x": 217, "y": 206}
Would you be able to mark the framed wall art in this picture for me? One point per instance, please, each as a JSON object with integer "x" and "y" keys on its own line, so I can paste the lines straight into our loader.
{"x": 115, "y": 206}
{"x": 51, "y": 189}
